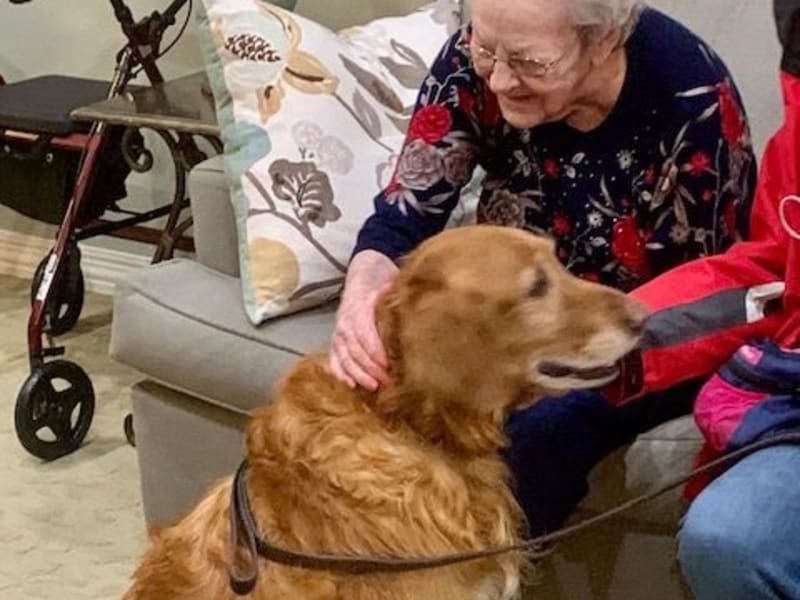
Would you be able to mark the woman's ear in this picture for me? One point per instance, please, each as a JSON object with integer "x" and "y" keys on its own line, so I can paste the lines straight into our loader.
{"x": 603, "y": 44}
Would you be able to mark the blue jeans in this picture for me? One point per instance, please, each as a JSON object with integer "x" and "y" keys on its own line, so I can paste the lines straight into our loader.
{"x": 724, "y": 554}
{"x": 740, "y": 539}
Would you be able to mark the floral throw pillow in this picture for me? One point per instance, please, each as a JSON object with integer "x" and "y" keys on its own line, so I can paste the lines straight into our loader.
{"x": 312, "y": 123}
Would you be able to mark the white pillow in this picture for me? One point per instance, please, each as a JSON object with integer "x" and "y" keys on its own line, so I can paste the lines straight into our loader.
{"x": 312, "y": 122}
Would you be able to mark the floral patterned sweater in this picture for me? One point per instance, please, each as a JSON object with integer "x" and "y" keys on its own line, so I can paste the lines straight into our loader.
{"x": 667, "y": 177}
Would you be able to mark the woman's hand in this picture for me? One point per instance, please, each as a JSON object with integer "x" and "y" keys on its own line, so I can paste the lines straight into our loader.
{"x": 357, "y": 355}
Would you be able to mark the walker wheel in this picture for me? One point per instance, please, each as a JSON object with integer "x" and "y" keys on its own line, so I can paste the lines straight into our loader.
{"x": 54, "y": 409}
{"x": 65, "y": 302}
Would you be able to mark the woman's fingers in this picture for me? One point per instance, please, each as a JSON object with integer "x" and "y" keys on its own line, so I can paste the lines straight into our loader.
{"x": 353, "y": 370}
{"x": 338, "y": 371}
{"x": 372, "y": 339}
{"x": 357, "y": 354}
{"x": 366, "y": 360}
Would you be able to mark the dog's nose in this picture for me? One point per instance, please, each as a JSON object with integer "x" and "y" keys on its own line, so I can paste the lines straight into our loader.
{"x": 636, "y": 315}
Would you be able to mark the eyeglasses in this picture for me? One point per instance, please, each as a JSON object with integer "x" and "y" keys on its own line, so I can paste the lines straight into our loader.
{"x": 484, "y": 60}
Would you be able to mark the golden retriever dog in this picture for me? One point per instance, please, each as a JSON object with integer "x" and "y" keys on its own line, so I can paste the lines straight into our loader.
{"x": 479, "y": 321}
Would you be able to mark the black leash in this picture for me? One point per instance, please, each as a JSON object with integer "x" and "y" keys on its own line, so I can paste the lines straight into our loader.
{"x": 243, "y": 580}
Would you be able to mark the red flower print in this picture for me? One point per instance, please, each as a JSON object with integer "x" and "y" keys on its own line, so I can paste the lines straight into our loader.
{"x": 561, "y": 224}
{"x": 590, "y": 276}
{"x": 650, "y": 175}
{"x": 707, "y": 196}
{"x": 466, "y": 101}
{"x": 729, "y": 218}
{"x": 551, "y": 167}
{"x": 430, "y": 123}
{"x": 731, "y": 116}
{"x": 490, "y": 115}
{"x": 699, "y": 163}
{"x": 628, "y": 246}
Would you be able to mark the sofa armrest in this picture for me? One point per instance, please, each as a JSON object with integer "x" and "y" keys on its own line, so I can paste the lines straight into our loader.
{"x": 214, "y": 223}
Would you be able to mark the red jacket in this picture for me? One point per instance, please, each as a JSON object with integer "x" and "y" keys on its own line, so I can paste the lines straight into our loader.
{"x": 705, "y": 309}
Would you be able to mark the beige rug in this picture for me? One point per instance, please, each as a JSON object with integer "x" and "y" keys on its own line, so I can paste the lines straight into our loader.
{"x": 71, "y": 529}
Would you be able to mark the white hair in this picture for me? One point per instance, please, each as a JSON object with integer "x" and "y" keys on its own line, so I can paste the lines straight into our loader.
{"x": 598, "y": 17}
{"x": 595, "y": 17}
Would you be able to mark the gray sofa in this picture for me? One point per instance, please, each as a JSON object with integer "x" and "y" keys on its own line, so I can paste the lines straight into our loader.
{"x": 204, "y": 366}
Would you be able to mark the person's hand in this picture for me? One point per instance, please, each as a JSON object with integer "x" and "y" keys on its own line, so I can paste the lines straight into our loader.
{"x": 357, "y": 355}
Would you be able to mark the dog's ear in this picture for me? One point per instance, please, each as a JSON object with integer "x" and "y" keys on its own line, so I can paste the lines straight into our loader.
{"x": 387, "y": 318}
{"x": 423, "y": 276}
{"x": 416, "y": 279}
{"x": 256, "y": 435}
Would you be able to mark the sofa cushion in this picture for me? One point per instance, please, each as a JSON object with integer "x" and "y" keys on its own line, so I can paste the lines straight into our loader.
{"x": 213, "y": 221}
{"x": 183, "y": 447}
{"x": 655, "y": 458}
{"x": 183, "y": 324}
{"x": 311, "y": 120}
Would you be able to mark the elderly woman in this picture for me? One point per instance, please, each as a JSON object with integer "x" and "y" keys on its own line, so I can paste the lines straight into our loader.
{"x": 610, "y": 128}
{"x": 603, "y": 124}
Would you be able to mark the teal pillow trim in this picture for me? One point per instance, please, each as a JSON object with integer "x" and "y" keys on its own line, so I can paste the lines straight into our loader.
{"x": 244, "y": 144}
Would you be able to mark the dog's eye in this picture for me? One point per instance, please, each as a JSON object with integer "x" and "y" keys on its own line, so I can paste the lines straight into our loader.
{"x": 540, "y": 286}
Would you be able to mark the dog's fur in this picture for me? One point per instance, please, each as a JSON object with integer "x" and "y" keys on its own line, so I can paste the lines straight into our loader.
{"x": 413, "y": 470}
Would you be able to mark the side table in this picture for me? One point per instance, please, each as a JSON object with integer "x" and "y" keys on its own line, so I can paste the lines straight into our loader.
{"x": 178, "y": 111}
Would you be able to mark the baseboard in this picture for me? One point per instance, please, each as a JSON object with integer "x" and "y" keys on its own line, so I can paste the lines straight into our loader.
{"x": 102, "y": 268}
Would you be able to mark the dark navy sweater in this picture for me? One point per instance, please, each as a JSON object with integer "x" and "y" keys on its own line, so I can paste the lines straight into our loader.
{"x": 667, "y": 177}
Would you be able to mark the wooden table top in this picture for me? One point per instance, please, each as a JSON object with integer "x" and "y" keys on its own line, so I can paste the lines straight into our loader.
{"x": 183, "y": 105}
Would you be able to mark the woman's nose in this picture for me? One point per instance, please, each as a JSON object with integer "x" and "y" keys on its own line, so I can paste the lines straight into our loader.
{"x": 502, "y": 78}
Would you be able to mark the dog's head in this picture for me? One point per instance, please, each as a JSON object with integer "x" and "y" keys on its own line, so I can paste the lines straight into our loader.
{"x": 488, "y": 318}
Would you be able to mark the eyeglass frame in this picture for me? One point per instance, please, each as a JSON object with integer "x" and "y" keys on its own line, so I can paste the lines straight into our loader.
{"x": 546, "y": 66}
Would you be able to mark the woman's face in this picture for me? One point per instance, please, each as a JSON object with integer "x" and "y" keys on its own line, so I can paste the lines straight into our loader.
{"x": 541, "y": 58}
